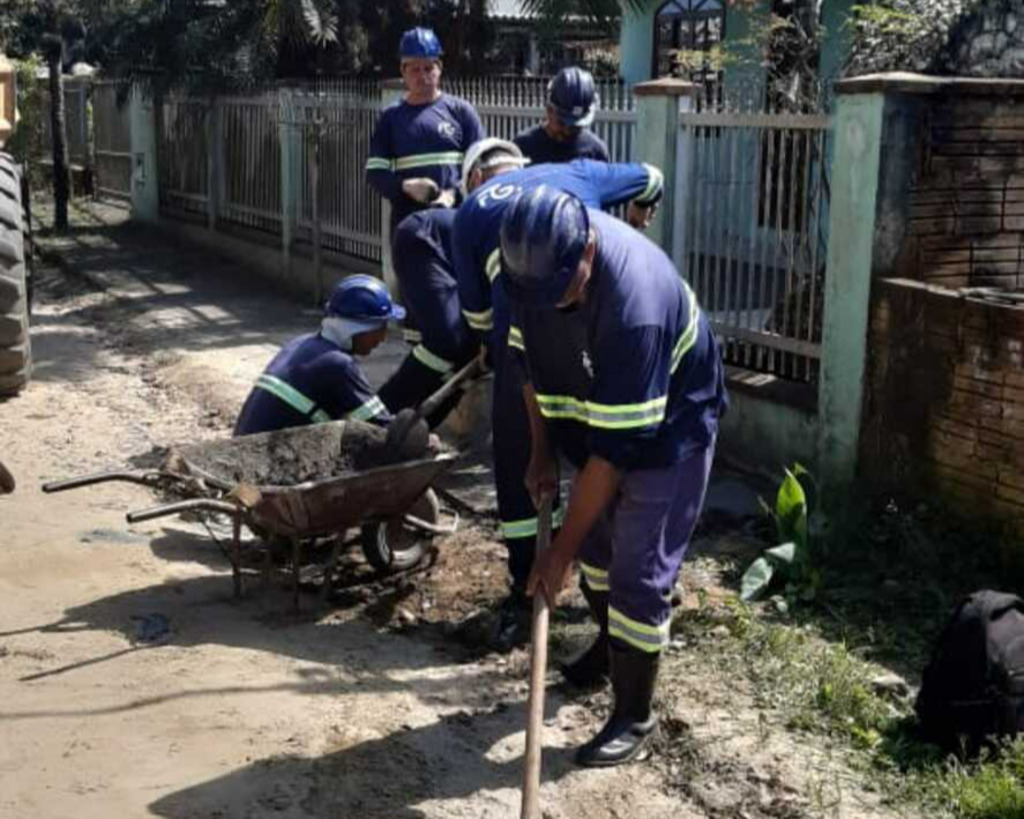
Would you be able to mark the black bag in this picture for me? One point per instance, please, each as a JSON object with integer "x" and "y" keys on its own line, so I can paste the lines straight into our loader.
{"x": 973, "y": 688}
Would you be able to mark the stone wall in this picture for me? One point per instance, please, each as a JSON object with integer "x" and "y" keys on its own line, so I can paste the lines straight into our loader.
{"x": 987, "y": 42}
{"x": 944, "y": 414}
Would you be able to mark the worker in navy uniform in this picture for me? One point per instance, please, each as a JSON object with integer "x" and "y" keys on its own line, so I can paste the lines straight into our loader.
{"x": 564, "y": 135}
{"x": 418, "y": 145}
{"x": 424, "y": 267}
{"x": 315, "y": 377}
{"x": 493, "y": 175}
{"x": 648, "y": 411}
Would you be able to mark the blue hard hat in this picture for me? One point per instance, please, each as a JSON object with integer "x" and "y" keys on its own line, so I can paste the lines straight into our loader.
{"x": 420, "y": 43}
{"x": 571, "y": 94}
{"x": 363, "y": 298}
{"x": 543, "y": 235}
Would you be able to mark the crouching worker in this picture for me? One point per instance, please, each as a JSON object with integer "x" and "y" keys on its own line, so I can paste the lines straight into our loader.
{"x": 648, "y": 411}
{"x": 315, "y": 377}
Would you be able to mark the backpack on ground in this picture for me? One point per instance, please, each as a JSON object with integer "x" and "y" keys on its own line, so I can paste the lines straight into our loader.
{"x": 973, "y": 687}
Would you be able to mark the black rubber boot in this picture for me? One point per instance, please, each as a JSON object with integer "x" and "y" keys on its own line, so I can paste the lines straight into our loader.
{"x": 591, "y": 667}
{"x": 634, "y": 674}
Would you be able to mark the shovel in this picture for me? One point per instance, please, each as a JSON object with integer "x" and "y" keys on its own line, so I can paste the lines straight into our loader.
{"x": 538, "y": 671}
{"x": 408, "y": 420}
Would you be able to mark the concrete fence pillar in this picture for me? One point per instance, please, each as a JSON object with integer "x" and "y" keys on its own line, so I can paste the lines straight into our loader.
{"x": 660, "y": 104}
{"x": 391, "y": 92}
{"x": 289, "y": 136}
{"x": 145, "y": 177}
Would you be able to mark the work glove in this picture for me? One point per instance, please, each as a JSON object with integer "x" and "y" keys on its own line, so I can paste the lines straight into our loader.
{"x": 421, "y": 190}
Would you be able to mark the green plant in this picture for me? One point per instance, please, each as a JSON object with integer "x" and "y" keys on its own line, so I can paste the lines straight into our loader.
{"x": 790, "y": 561}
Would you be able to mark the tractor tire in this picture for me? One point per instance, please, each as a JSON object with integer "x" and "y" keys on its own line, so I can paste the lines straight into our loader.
{"x": 15, "y": 345}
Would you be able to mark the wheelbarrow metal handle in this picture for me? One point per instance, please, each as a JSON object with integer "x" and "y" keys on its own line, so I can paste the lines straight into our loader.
{"x": 196, "y": 504}
{"x": 146, "y": 478}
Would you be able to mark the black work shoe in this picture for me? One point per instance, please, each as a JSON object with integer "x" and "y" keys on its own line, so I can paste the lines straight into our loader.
{"x": 591, "y": 668}
{"x": 512, "y": 629}
{"x": 621, "y": 740}
{"x": 634, "y": 674}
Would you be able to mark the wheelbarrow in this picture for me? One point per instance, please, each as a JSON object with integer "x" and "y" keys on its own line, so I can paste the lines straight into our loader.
{"x": 327, "y": 489}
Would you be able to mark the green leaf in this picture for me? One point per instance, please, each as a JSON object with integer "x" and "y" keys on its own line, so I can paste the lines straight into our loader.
{"x": 791, "y": 510}
{"x": 783, "y": 553}
{"x": 756, "y": 579}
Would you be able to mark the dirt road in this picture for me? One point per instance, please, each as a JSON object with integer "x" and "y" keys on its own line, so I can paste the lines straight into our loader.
{"x": 132, "y": 684}
{"x": 239, "y": 709}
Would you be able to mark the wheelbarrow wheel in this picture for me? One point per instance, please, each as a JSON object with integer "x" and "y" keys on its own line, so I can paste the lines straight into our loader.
{"x": 394, "y": 545}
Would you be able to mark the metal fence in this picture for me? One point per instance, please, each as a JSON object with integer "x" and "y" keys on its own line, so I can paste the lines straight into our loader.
{"x": 183, "y": 156}
{"x": 76, "y": 121}
{"x": 752, "y": 232}
{"x": 112, "y": 142}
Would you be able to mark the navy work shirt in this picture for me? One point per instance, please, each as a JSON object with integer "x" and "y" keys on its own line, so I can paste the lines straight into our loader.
{"x": 538, "y": 147}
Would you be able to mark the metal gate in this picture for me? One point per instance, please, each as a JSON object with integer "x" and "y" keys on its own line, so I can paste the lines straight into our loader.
{"x": 752, "y": 233}
{"x": 112, "y": 139}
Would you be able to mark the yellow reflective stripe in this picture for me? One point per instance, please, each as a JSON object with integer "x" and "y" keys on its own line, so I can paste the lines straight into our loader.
{"x": 480, "y": 321}
{"x": 597, "y": 579}
{"x": 291, "y": 396}
{"x": 604, "y": 416}
{"x": 412, "y": 336}
{"x": 515, "y": 338}
{"x": 371, "y": 409}
{"x": 493, "y": 266}
{"x": 639, "y": 635}
{"x": 403, "y": 163}
{"x": 428, "y": 359}
{"x": 527, "y": 527}
{"x": 655, "y": 183}
{"x": 376, "y": 163}
{"x": 689, "y": 336}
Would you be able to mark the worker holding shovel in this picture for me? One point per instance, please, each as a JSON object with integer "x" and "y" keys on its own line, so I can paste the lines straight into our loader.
{"x": 649, "y": 414}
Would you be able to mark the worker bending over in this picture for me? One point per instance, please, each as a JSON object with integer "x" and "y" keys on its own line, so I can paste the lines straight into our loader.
{"x": 315, "y": 377}
{"x": 642, "y": 426}
{"x": 493, "y": 176}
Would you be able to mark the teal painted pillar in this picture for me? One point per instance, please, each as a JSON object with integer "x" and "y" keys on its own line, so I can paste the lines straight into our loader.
{"x": 145, "y": 190}
{"x": 857, "y": 123}
{"x": 636, "y": 44}
{"x": 659, "y": 105}
{"x": 391, "y": 92}
{"x": 837, "y": 41}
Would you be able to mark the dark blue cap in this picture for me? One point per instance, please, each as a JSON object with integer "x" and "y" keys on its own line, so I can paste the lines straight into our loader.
{"x": 543, "y": 235}
{"x": 363, "y": 298}
{"x": 420, "y": 43}
{"x": 571, "y": 94}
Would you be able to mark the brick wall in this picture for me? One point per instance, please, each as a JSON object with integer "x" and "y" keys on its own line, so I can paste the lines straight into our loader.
{"x": 944, "y": 414}
{"x": 966, "y": 201}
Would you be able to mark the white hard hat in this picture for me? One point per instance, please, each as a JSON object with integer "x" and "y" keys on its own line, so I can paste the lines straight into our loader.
{"x": 483, "y": 146}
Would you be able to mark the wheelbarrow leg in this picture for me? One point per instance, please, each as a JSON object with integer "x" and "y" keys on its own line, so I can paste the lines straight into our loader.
{"x": 236, "y": 555}
{"x": 296, "y": 564}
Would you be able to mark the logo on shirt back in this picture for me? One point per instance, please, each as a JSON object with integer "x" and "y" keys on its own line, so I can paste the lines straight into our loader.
{"x": 446, "y": 129}
{"x": 497, "y": 193}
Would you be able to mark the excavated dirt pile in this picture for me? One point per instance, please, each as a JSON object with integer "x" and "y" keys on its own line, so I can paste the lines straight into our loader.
{"x": 293, "y": 456}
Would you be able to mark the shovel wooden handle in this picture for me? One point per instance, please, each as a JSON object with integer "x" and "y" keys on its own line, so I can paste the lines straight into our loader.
{"x": 538, "y": 672}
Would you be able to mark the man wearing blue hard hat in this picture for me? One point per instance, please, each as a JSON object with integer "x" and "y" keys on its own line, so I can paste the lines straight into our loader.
{"x": 564, "y": 134}
{"x": 493, "y": 175}
{"x": 644, "y": 423}
{"x": 315, "y": 377}
{"x": 417, "y": 147}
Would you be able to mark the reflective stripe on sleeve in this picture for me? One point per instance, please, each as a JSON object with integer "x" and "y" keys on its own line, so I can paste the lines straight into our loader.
{"x": 403, "y": 163}
{"x": 655, "y": 184}
{"x": 292, "y": 397}
{"x": 412, "y": 336}
{"x": 378, "y": 163}
{"x": 428, "y": 359}
{"x": 368, "y": 410}
{"x": 689, "y": 335}
{"x": 493, "y": 266}
{"x": 604, "y": 416}
{"x": 597, "y": 579}
{"x": 645, "y": 637}
{"x": 480, "y": 321}
{"x": 515, "y": 338}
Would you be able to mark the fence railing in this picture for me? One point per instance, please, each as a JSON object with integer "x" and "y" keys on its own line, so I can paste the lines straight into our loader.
{"x": 752, "y": 221}
{"x": 112, "y": 142}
